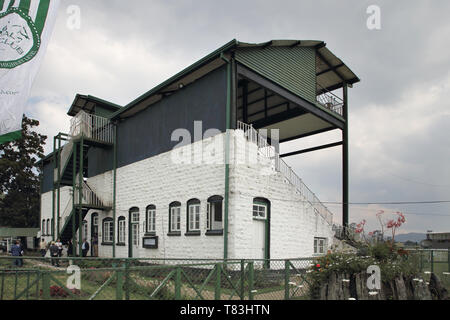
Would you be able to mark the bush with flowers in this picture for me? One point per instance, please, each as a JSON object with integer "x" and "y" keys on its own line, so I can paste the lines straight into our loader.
{"x": 392, "y": 261}
{"x": 59, "y": 292}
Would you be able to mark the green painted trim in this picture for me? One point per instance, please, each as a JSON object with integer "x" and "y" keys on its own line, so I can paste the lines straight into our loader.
{"x": 80, "y": 211}
{"x": 114, "y": 188}
{"x": 53, "y": 179}
{"x": 59, "y": 187}
{"x": 11, "y": 3}
{"x": 25, "y": 5}
{"x": 41, "y": 15}
{"x": 11, "y": 136}
{"x": 345, "y": 162}
{"x": 74, "y": 194}
{"x": 227, "y": 159}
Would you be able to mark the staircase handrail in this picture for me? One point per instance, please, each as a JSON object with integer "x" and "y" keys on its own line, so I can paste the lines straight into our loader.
{"x": 281, "y": 166}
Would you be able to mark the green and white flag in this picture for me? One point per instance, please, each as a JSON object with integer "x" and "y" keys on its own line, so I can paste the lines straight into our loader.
{"x": 25, "y": 29}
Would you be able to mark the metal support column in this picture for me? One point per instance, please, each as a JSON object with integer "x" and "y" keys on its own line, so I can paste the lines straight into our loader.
{"x": 345, "y": 160}
{"x": 54, "y": 186}
{"x": 74, "y": 195}
{"x": 58, "y": 210}
{"x": 80, "y": 203}
{"x": 227, "y": 159}
{"x": 114, "y": 189}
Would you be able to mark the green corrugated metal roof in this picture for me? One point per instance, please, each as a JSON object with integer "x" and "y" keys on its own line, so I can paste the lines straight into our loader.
{"x": 292, "y": 68}
{"x": 289, "y": 63}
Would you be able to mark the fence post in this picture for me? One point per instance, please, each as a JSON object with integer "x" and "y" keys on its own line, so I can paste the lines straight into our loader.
{"x": 218, "y": 282}
{"x": 287, "y": 268}
{"x": 242, "y": 280}
{"x": 127, "y": 280}
{"x": 2, "y": 286}
{"x": 119, "y": 287}
{"x": 46, "y": 285}
{"x": 432, "y": 260}
{"x": 251, "y": 279}
{"x": 421, "y": 260}
{"x": 448, "y": 259}
{"x": 178, "y": 284}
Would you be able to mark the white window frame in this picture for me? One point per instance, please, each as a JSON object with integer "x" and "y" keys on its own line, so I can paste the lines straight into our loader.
{"x": 210, "y": 217}
{"x": 320, "y": 245}
{"x": 122, "y": 230}
{"x": 135, "y": 234}
{"x": 151, "y": 220}
{"x": 135, "y": 217}
{"x": 194, "y": 217}
{"x": 108, "y": 231}
{"x": 259, "y": 211}
{"x": 175, "y": 219}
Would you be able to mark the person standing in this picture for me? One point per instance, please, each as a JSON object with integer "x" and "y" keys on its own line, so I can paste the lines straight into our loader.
{"x": 16, "y": 251}
{"x": 69, "y": 248}
{"x": 60, "y": 247}
{"x": 85, "y": 248}
{"x": 54, "y": 253}
{"x": 43, "y": 247}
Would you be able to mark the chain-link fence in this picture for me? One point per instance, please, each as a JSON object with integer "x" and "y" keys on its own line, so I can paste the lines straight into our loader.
{"x": 143, "y": 279}
{"x": 430, "y": 261}
{"x": 174, "y": 279}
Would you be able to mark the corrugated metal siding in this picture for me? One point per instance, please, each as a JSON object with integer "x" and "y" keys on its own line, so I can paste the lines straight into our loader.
{"x": 292, "y": 68}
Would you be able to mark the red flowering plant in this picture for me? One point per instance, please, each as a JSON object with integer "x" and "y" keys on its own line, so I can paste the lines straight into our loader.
{"x": 392, "y": 224}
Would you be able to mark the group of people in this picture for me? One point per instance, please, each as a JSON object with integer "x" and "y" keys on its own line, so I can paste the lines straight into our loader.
{"x": 55, "y": 247}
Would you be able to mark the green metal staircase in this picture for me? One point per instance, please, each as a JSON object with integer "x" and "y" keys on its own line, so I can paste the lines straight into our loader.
{"x": 71, "y": 166}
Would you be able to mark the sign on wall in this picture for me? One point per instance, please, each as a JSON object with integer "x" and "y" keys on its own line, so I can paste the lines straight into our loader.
{"x": 25, "y": 29}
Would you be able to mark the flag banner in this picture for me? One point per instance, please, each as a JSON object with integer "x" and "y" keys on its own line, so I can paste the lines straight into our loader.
{"x": 25, "y": 29}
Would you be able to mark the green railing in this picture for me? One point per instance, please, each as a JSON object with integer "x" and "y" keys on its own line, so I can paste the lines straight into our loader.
{"x": 153, "y": 279}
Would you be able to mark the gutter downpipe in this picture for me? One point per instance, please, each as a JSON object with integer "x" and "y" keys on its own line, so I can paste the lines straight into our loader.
{"x": 114, "y": 187}
{"x": 227, "y": 157}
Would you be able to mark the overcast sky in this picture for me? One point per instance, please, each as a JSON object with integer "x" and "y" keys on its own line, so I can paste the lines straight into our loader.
{"x": 399, "y": 112}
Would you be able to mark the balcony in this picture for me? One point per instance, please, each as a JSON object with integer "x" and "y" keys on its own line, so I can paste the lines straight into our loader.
{"x": 330, "y": 101}
{"x": 91, "y": 127}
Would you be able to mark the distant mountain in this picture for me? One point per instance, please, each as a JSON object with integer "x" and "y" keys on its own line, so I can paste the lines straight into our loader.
{"x": 414, "y": 237}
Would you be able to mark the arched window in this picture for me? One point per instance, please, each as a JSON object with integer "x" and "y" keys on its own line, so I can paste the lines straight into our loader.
{"x": 193, "y": 215}
{"x": 43, "y": 227}
{"x": 121, "y": 230}
{"x": 214, "y": 216}
{"x": 175, "y": 218}
{"x": 134, "y": 225}
{"x": 48, "y": 227}
{"x": 108, "y": 231}
{"x": 150, "y": 218}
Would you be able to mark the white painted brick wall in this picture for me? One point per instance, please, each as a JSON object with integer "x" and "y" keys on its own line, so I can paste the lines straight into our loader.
{"x": 46, "y": 206}
{"x": 159, "y": 181}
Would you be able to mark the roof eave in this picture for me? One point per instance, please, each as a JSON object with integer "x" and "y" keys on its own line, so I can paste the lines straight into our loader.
{"x": 179, "y": 75}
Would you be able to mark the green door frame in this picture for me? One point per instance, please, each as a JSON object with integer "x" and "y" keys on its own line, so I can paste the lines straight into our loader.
{"x": 130, "y": 231}
{"x": 265, "y": 202}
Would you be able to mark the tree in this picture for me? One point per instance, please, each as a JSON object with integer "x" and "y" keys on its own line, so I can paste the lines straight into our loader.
{"x": 20, "y": 178}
